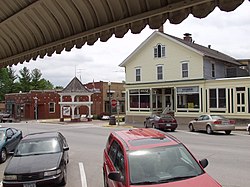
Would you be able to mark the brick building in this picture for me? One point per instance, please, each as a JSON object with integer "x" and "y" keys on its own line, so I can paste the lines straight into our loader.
{"x": 44, "y": 104}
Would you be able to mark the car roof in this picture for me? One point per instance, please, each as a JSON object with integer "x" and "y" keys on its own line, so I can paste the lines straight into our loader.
{"x": 39, "y": 135}
{"x": 140, "y": 138}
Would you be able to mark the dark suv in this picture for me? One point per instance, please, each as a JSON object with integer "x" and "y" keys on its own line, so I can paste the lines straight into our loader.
{"x": 5, "y": 117}
{"x": 149, "y": 157}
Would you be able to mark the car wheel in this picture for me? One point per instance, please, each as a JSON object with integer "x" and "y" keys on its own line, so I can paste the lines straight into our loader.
{"x": 64, "y": 179}
{"x": 153, "y": 126}
{"x": 228, "y": 132}
{"x": 209, "y": 130}
{"x": 172, "y": 130}
{"x": 3, "y": 156}
{"x": 191, "y": 128}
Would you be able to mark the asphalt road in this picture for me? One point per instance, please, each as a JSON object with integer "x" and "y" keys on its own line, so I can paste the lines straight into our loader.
{"x": 228, "y": 155}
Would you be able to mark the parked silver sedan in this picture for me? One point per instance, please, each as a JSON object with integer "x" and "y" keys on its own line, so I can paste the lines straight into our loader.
{"x": 211, "y": 123}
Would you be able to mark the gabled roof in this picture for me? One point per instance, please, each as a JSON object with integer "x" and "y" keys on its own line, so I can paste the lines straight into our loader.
{"x": 204, "y": 51}
{"x": 207, "y": 51}
{"x": 75, "y": 86}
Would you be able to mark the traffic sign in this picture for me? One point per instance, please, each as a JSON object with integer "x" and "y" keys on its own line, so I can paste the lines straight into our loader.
{"x": 113, "y": 103}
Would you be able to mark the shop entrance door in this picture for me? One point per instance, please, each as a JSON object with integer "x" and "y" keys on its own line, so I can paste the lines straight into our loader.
{"x": 168, "y": 102}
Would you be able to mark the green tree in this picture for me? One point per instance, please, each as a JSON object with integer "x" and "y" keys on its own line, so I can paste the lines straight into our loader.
{"x": 12, "y": 81}
{"x": 3, "y": 82}
{"x": 7, "y": 82}
{"x": 36, "y": 79}
{"x": 25, "y": 80}
{"x": 46, "y": 85}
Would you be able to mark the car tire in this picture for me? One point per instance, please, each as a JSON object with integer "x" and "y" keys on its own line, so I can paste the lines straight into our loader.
{"x": 228, "y": 132}
{"x": 153, "y": 126}
{"x": 191, "y": 127}
{"x": 209, "y": 129}
{"x": 105, "y": 180}
{"x": 172, "y": 130}
{"x": 64, "y": 179}
{"x": 3, "y": 155}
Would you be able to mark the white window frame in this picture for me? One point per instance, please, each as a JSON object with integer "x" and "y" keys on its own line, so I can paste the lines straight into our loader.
{"x": 140, "y": 77}
{"x": 184, "y": 71}
{"x": 54, "y": 107}
{"x": 158, "y": 73}
{"x": 162, "y": 49}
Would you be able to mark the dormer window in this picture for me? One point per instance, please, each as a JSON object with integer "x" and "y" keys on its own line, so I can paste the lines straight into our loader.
{"x": 159, "y": 51}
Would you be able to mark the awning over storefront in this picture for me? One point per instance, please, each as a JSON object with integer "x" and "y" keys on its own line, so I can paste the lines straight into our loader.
{"x": 35, "y": 28}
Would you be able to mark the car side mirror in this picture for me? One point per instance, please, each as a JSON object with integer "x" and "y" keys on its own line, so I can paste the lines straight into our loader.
{"x": 204, "y": 162}
{"x": 196, "y": 119}
{"x": 116, "y": 176}
{"x": 65, "y": 148}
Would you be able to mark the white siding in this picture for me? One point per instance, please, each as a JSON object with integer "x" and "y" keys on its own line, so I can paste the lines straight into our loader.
{"x": 175, "y": 54}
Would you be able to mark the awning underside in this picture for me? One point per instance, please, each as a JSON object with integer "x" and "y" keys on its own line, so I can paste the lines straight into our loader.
{"x": 35, "y": 28}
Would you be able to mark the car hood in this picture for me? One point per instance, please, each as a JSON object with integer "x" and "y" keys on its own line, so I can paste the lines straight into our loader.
{"x": 203, "y": 180}
{"x": 33, "y": 163}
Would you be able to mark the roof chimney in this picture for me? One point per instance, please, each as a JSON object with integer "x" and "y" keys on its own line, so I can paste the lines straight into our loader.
{"x": 187, "y": 37}
{"x": 161, "y": 29}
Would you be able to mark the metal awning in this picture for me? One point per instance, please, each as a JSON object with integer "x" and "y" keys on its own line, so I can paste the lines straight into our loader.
{"x": 35, "y": 28}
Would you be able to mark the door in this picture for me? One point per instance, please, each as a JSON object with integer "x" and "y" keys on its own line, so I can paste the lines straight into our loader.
{"x": 168, "y": 102}
{"x": 241, "y": 107}
{"x": 200, "y": 123}
{"x": 10, "y": 140}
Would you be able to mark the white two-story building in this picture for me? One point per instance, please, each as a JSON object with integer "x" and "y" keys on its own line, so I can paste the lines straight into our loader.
{"x": 184, "y": 77}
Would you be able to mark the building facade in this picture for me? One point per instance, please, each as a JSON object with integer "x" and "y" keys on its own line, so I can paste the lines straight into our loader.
{"x": 45, "y": 104}
{"x": 166, "y": 72}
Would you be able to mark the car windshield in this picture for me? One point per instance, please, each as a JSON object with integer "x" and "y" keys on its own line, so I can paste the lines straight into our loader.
{"x": 2, "y": 135}
{"x": 38, "y": 146}
{"x": 162, "y": 165}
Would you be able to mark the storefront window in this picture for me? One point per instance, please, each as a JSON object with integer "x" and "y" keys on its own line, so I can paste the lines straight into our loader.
{"x": 217, "y": 98}
{"x": 188, "y": 101}
{"x": 212, "y": 95}
{"x": 139, "y": 99}
{"x": 222, "y": 98}
{"x": 188, "y": 97}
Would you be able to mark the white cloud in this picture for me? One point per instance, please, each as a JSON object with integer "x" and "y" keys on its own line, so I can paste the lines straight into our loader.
{"x": 227, "y": 32}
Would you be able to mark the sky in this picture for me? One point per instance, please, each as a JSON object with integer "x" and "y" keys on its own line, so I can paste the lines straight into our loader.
{"x": 227, "y": 32}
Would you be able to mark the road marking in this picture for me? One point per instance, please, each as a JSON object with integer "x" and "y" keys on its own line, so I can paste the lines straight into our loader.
{"x": 82, "y": 174}
{"x": 188, "y": 132}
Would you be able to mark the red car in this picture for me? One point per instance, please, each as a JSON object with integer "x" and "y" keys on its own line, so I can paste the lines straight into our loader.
{"x": 162, "y": 122}
{"x": 149, "y": 157}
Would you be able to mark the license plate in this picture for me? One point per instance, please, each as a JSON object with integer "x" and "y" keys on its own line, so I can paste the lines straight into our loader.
{"x": 29, "y": 185}
{"x": 168, "y": 125}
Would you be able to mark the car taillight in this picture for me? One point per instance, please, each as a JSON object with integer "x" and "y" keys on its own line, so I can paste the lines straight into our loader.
{"x": 161, "y": 121}
{"x": 174, "y": 120}
{"x": 232, "y": 122}
{"x": 217, "y": 122}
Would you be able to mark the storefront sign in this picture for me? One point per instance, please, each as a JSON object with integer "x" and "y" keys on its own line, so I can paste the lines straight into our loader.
{"x": 188, "y": 90}
{"x": 66, "y": 111}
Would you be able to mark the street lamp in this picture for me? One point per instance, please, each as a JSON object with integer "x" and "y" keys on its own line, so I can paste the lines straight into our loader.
{"x": 35, "y": 98}
{"x": 109, "y": 84}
